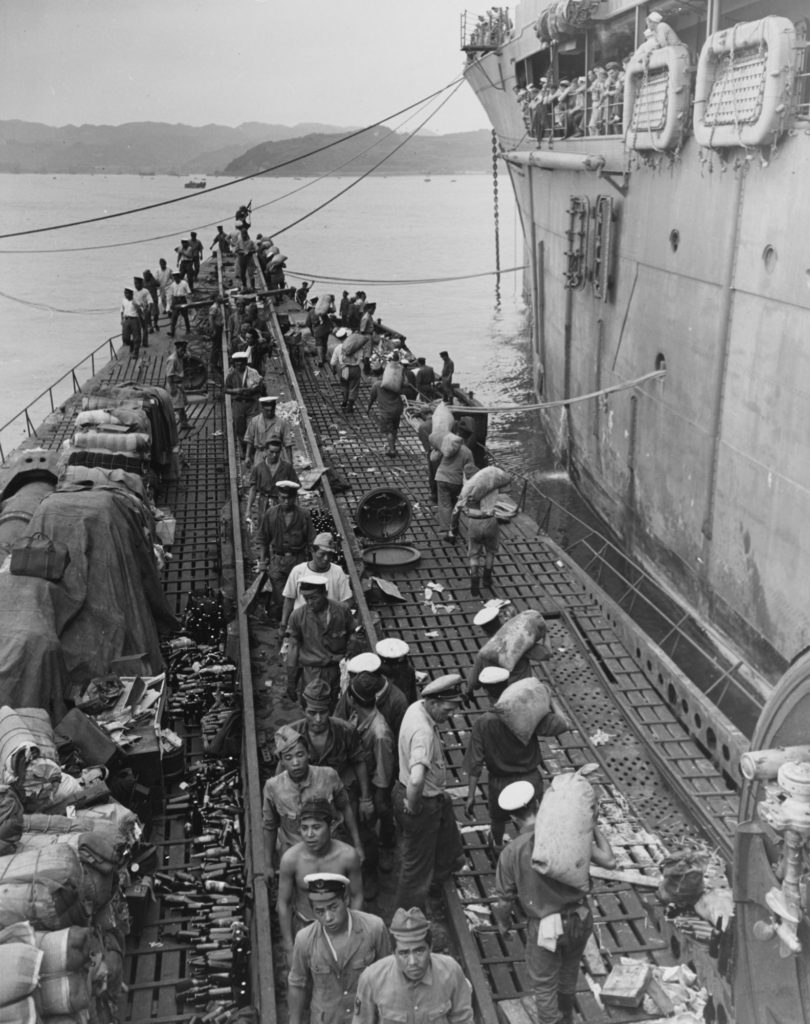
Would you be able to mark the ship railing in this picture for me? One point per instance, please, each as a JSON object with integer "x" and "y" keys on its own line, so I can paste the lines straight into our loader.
{"x": 24, "y": 423}
{"x": 485, "y": 33}
{"x": 675, "y": 630}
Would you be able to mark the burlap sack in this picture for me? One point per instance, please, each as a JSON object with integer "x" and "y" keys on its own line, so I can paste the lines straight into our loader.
{"x": 563, "y": 831}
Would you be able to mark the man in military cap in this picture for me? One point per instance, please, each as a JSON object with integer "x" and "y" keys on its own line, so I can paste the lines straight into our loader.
{"x": 413, "y": 984}
{"x": 330, "y": 954}
{"x": 262, "y": 428}
{"x": 285, "y": 794}
{"x": 431, "y": 844}
{"x": 507, "y": 758}
{"x": 317, "y": 851}
{"x": 396, "y": 666}
{"x": 334, "y": 742}
{"x": 338, "y": 587}
{"x": 285, "y": 533}
{"x": 264, "y": 476}
{"x": 559, "y": 910}
{"x": 317, "y": 637}
{"x": 244, "y": 385}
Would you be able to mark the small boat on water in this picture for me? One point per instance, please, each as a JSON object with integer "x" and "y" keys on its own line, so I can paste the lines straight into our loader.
{"x": 196, "y": 183}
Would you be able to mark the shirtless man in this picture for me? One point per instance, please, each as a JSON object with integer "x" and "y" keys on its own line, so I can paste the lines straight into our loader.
{"x": 318, "y": 851}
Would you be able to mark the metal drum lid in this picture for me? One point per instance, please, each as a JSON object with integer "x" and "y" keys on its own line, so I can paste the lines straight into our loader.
{"x": 383, "y": 514}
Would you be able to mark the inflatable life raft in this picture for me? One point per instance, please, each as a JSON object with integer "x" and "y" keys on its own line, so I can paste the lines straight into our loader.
{"x": 744, "y": 84}
{"x": 656, "y": 98}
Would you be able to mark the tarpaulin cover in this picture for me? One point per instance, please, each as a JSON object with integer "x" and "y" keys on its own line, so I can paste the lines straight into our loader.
{"x": 109, "y": 604}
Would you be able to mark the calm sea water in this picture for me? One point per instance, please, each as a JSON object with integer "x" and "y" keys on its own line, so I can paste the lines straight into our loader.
{"x": 387, "y": 229}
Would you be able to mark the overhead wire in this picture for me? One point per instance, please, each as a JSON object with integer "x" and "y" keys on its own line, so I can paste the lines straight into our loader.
{"x": 365, "y": 174}
{"x": 261, "y": 206}
{"x": 236, "y": 181}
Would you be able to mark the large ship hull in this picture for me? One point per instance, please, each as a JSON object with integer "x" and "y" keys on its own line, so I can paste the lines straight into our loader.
{"x": 703, "y": 473}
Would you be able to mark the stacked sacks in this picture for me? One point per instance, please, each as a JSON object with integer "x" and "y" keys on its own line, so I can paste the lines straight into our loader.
{"x": 49, "y": 976}
{"x": 103, "y": 434}
{"x": 59, "y": 876}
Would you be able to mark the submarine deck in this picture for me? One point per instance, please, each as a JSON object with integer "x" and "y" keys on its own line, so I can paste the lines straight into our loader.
{"x": 657, "y": 786}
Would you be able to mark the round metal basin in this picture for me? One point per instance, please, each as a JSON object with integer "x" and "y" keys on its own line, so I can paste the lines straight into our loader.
{"x": 391, "y": 556}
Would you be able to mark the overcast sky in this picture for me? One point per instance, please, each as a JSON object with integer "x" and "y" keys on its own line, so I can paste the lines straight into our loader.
{"x": 343, "y": 62}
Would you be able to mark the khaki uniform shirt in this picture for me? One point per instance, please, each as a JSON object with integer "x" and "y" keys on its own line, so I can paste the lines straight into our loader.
{"x": 442, "y": 996}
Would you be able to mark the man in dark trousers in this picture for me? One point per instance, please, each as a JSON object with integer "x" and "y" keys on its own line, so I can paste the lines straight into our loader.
{"x": 558, "y": 910}
{"x": 431, "y": 843}
{"x": 285, "y": 534}
{"x": 265, "y": 475}
{"x": 446, "y": 376}
{"x": 507, "y": 758}
{"x": 316, "y": 640}
{"x": 396, "y": 666}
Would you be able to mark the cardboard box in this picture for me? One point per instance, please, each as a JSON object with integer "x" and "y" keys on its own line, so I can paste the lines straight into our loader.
{"x": 625, "y": 984}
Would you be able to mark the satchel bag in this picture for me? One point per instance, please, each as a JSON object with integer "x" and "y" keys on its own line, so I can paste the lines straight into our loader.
{"x": 38, "y": 555}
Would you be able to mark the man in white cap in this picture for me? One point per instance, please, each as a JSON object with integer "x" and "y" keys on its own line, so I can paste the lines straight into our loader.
{"x": 553, "y": 963}
{"x": 178, "y": 294}
{"x": 328, "y": 954}
{"x": 285, "y": 533}
{"x": 263, "y": 427}
{"x": 347, "y": 365}
{"x": 396, "y": 666}
{"x": 660, "y": 33}
{"x": 379, "y": 748}
{"x": 414, "y": 984}
{"x": 317, "y": 636}
{"x": 507, "y": 758}
{"x": 284, "y": 795}
{"x": 338, "y": 587}
{"x": 431, "y": 847}
{"x": 265, "y": 475}
{"x": 523, "y": 668}
{"x": 317, "y": 851}
{"x": 244, "y": 385}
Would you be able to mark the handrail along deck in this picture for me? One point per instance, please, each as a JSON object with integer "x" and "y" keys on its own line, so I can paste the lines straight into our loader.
{"x": 49, "y": 391}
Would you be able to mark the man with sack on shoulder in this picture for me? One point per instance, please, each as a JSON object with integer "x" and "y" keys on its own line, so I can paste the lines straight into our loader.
{"x": 559, "y": 917}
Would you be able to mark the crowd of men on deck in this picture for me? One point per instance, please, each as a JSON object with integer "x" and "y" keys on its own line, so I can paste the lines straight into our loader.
{"x": 361, "y": 785}
{"x": 591, "y": 103}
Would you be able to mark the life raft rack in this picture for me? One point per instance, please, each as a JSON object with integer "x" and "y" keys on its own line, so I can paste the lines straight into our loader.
{"x": 744, "y": 85}
{"x": 656, "y": 98}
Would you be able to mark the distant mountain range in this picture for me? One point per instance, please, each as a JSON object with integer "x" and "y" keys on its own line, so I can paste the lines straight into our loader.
{"x": 148, "y": 147}
{"x": 461, "y": 153}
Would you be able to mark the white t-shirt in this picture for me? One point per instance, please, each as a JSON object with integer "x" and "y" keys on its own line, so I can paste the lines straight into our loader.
{"x": 337, "y": 584}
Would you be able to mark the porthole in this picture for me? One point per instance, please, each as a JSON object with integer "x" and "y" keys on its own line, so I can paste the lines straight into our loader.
{"x": 674, "y": 239}
{"x": 769, "y": 258}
